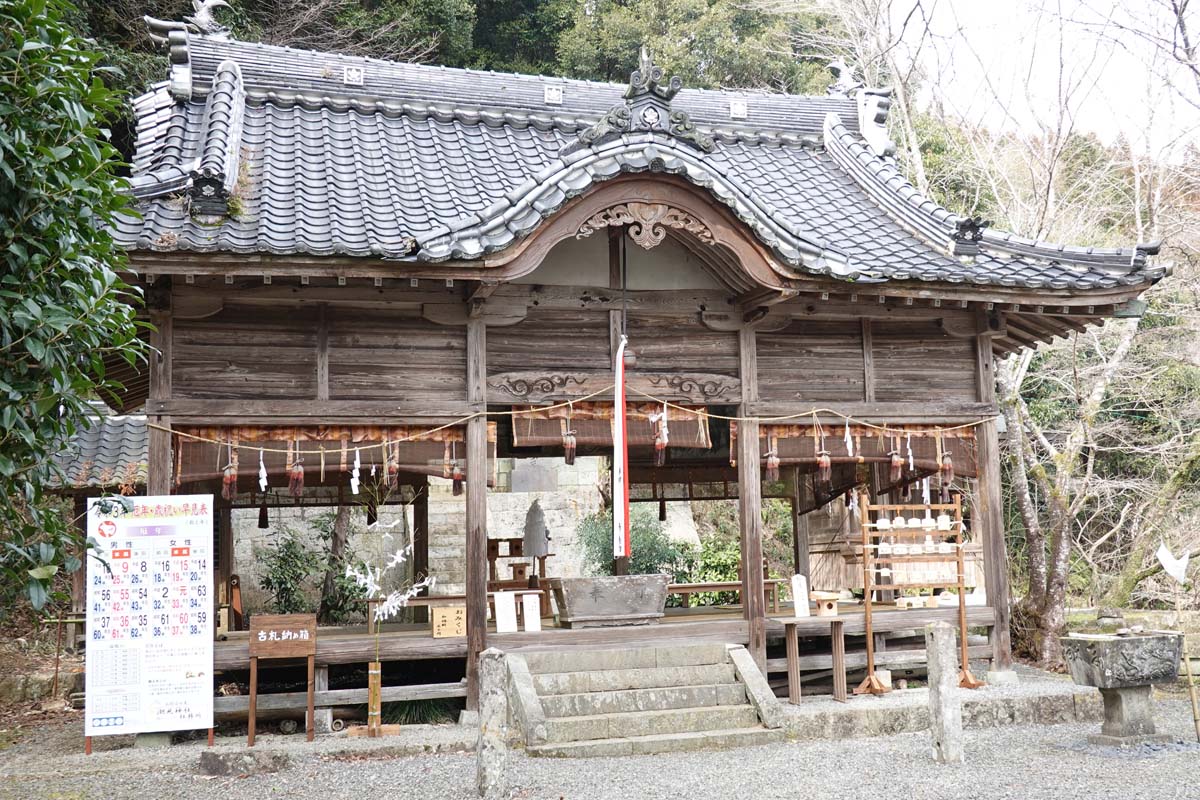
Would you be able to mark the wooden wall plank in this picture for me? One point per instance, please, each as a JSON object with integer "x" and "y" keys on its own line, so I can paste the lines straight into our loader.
{"x": 382, "y": 354}
{"x": 915, "y": 360}
{"x": 812, "y": 361}
{"x": 247, "y": 351}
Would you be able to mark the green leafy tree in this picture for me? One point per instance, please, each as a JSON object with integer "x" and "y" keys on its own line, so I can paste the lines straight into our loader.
{"x": 288, "y": 571}
{"x": 708, "y": 43}
{"x": 653, "y": 551}
{"x": 63, "y": 307}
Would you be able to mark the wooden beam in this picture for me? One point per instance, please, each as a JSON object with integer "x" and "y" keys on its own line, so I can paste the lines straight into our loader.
{"x": 990, "y": 521}
{"x": 476, "y": 490}
{"x": 159, "y": 462}
{"x": 868, "y": 349}
{"x": 750, "y": 503}
{"x": 362, "y": 410}
{"x": 800, "y": 556}
{"x": 421, "y": 542}
{"x": 327, "y": 698}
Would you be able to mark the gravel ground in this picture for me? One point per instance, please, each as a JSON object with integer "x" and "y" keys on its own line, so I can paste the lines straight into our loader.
{"x": 1013, "y": 762}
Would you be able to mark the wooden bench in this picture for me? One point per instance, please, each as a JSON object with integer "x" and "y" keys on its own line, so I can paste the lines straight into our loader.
{"x": 428, "y": 601}
{"x": 686, "y": 590}
{"x": 837, "y": 636}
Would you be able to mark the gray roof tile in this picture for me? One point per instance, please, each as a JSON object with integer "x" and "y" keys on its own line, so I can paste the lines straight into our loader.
{"x": 465, "y": 163}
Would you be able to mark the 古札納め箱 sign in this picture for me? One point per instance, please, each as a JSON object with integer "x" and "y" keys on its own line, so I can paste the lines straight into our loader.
{"x": 283, "y": 635}
{"x": 149, "y": 615}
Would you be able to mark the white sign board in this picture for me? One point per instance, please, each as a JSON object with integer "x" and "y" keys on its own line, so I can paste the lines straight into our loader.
{"x": 150, "y": 616}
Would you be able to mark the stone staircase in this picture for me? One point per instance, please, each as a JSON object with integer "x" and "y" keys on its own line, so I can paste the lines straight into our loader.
{"x": 641, "y": 700}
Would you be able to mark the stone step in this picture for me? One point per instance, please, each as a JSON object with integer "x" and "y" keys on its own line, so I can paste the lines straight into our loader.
{"x": 612, "y": 680}
{"x": 659, "y": 743}
{"x": 628, "y": 700}
{"x": 650, "y": 723}
{"x": 569, "y": 660}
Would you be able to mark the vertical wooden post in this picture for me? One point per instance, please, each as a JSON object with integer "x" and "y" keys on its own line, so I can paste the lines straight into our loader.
{"x": 323, "y": 351}
{"x": 322, "y": 717}
{"x": 476, "y": 490}
{"x": 421, "y": 544}
{"x": 253, "y": 701}
{"x": 837, "y": 642}
{"x": 792, "y": 644}
{"x": 374, "y": 699}
{"x": 159, "y": 462}
{"x": 750, "y": 503}
{"x": 989, "y": 520}
{"x": 79, "y": 576}
{"x": 616, "y": 266}
{"x": 800, "y": 557}
{"x": 989, "y": 512}
{"x": 309, "y": 711}
{"x": 224, "y": 550}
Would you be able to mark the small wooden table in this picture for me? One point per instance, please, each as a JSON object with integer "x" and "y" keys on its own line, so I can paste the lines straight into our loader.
{"x": 686, "y": 590}
{"x": 837, "y": 636}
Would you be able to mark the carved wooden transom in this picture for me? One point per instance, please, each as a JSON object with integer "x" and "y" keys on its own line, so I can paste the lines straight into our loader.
{"x": 647, "y": 223}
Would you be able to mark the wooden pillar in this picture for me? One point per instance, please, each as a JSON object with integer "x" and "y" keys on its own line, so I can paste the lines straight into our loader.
{"x": 989, "y": 511}
{"x": 224, "y": 549}
{"x": 323, "y": 716}
{"x": 159, "y": 462}
{"x": 800, "y": 559}
{"x": 616, "y": 268}
{"x": 989, "y": 520}
{"x": 79, "y": 576}
{"x": 476, "y": 491}
{"x": 421, "y": 544}
{"x": 750, "y": 504}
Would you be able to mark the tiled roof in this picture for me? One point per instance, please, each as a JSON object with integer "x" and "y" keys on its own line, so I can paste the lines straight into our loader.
{"x": 426, "y": 164}
{"x": 110, "y": 453}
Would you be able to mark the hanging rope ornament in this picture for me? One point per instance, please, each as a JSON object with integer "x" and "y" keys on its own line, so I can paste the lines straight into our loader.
{"x": 945, "y": 464}
{"x": 824, "y": 462}
{"x": 229, "y": 477}
{"x": 661, "y": 435}
{"x": 895, "y": 462}
{"x": 772, "y": 473}
{"x": 393, "y": 467}
{"x": 262, "y": 472}
{"x": 456, "y": 474}
{"x": 355, "y": 472}
{"x": 569, "y": 438}
{"x": 296, "y": 476}
{"x": 264, "y": 521}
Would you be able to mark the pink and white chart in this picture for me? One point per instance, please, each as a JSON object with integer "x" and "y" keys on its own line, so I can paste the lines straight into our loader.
{"x": 150, "y": 616}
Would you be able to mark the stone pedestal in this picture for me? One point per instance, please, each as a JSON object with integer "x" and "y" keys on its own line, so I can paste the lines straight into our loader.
{"x": 492, "y": 748}
{"x": 1124, "y": 668}
{"x": 1128, "y": 718}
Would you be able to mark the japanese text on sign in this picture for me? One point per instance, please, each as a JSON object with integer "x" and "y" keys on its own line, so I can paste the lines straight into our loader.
{"x": 150, "y": 616}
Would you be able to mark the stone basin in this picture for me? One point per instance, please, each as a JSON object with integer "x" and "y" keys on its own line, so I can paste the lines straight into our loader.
{"x": 610, "y": 600}
{"x": 1124, "y": 668}
{"x": 1111, "y": 661}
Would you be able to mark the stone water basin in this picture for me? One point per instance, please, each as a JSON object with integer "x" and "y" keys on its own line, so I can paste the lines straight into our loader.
{"x": 1124, "y": 668}
{"x": 610, "y": 600}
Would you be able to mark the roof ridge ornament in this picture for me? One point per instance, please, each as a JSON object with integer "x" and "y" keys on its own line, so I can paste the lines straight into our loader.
{"x": 172, "y": 36}
{"x": 203, "y": 21}
{"x": 646, "y": 107}
{"x": 844, "y": 84}
{"x": 646, "y": 80}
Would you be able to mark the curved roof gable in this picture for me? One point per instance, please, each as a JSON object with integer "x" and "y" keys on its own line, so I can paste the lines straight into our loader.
{"x": 257, "y": 149}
